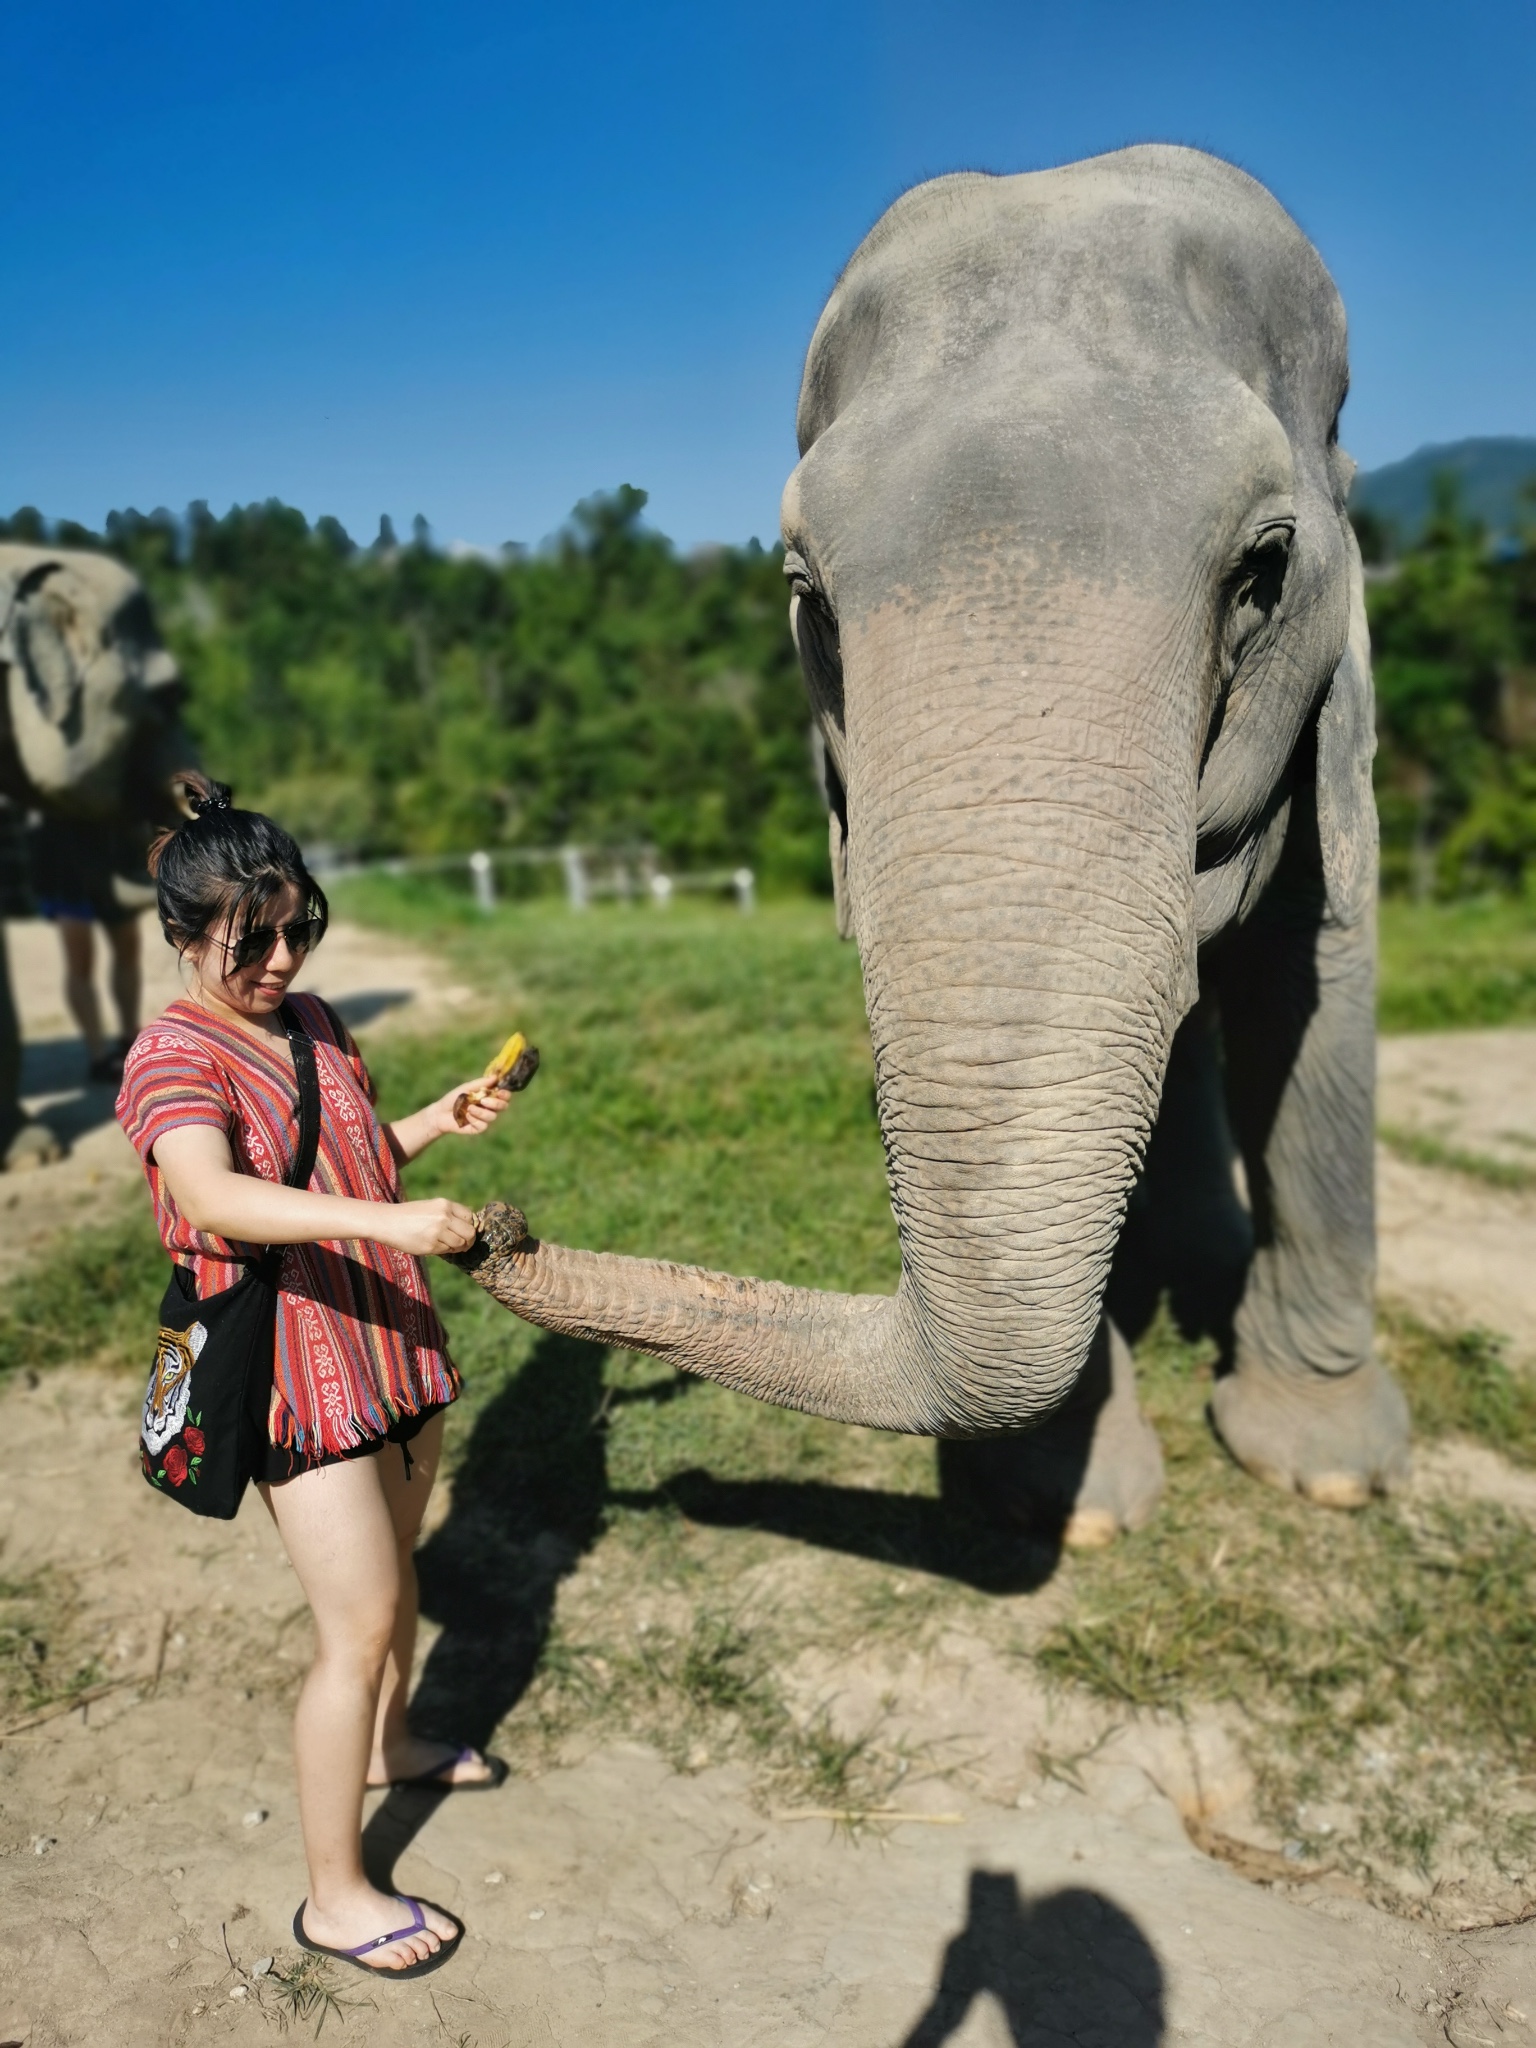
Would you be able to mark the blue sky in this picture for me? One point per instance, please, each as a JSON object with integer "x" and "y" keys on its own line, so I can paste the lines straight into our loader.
{"x": 476, "y": 261}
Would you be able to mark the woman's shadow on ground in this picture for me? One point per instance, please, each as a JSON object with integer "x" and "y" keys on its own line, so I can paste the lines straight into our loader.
{"x": 529, "y": 1497}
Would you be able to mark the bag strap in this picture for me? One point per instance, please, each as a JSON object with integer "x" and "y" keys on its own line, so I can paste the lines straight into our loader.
{"x": 302, "y": 1046}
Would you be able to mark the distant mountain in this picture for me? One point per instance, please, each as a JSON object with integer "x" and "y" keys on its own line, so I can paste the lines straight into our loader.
{"x": 1490, "y": 472}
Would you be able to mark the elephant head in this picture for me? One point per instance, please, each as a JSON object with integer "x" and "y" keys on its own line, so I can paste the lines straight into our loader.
{"x": 91, "y": 695}
{"x": 1074, "y": 592}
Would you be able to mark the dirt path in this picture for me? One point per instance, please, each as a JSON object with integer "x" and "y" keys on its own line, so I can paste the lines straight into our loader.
{"x": 1458, "y": 1251}
{"x": 149, "y": 1849}
{"x": 1458, "y": 1254}
{"x": 1473, "y": 1090}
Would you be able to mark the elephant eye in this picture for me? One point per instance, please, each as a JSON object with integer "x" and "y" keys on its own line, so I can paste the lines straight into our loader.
{"x": 1254, "y": 588}
{"x": 815, "y": 629}
{"x": 802, "y": 584}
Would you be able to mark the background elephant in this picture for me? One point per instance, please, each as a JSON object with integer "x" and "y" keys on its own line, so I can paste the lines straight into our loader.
{"x": 1080, "y": 615}
{"x": 90, "y": 734}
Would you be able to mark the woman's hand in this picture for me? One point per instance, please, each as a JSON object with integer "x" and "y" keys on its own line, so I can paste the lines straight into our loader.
{"x": 409, "y": 1136}
{"x": 427, "y": 1229}
{"x": 481, "y": 1109}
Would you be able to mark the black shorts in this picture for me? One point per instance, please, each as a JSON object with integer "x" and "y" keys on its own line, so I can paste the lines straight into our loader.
{"x": 283, "y": 1464}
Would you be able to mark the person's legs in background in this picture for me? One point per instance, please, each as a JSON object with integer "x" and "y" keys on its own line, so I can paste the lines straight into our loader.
{"x": 126, "y": 976}
{"x": 74, "y": 863}
{"x": 77, "y": 935}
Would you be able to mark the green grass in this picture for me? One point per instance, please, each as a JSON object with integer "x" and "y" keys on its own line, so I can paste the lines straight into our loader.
{"x": 702, "y": 1693}
{"x": 95, "y": 1299}
{"x": 706, "y": 1090}
{"x": 1451, "y": 966}
{"x": 1420, "y": 1149}
{"x": 1458, "y": 1384}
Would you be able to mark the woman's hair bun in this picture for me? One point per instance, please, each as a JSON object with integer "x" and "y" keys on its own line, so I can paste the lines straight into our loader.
{"x": 204, "y": 795}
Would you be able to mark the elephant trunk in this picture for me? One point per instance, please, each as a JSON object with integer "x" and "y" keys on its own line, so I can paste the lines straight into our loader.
{"x": 1020, "y": 849}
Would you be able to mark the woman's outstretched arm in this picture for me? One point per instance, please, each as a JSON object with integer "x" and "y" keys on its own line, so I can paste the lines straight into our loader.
{"x": 214, "y": 1196}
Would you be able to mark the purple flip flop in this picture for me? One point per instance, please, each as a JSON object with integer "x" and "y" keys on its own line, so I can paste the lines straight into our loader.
{"x": 434, "y": 1781}
{"x": 354, "y": 1956}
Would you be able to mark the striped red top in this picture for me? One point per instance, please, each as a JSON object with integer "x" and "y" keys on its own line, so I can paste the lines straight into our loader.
{"x": 359, "y": 1344}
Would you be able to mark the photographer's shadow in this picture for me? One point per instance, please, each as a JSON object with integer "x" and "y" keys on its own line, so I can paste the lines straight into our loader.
{"x": 1070, "y": 1966}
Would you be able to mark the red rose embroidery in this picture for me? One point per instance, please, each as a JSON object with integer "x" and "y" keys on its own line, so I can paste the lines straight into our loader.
{"x": 175, "y": 1466}
{"x": 193, "y": 1439}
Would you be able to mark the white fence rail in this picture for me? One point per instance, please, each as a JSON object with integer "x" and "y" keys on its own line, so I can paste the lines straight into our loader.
{"x": 627, "y": 873}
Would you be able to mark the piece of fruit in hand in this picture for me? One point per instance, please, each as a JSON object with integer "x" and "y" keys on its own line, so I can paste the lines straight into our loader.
{"x": 513, "y": 1068}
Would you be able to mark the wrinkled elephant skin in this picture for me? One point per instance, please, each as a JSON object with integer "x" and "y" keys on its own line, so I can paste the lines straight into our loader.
{"x": 1081, "y": 621}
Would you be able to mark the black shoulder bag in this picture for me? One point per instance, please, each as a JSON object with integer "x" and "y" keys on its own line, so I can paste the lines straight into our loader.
{"x": 204, "y": 1432}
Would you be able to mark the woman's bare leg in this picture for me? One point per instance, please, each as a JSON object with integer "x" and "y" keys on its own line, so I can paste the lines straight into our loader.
{"x": 336, "y": 1527}
{"x": 397, "y": 1753}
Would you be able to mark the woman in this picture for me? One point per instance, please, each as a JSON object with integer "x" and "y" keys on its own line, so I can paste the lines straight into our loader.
{"x": 361, "y": 1373}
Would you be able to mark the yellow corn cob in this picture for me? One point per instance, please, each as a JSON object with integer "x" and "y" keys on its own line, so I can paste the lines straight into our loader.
{"x": 513, "y": 1067}
{"x": 507, "y": 1058}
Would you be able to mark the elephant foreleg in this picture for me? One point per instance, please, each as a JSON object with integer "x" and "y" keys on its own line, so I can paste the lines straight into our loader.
{"x": 1306, "y": 1406}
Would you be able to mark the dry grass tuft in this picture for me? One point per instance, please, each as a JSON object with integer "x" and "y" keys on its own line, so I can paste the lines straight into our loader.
{"x": 705, "y": 1693}
{"x": 44, "y": 1662}
{"x": 302, "y": 1991}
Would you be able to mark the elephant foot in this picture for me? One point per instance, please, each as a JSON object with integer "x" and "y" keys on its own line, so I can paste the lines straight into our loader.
{"x": 1336, "y": 1441}
{"x": 32, "y": 1145}
{"x": 1094, "y": 1469}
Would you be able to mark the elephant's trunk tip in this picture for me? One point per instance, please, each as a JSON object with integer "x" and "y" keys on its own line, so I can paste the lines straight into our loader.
{"x": 501, "y": 1231}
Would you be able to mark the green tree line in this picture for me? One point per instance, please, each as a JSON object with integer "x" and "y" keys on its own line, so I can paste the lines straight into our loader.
{"x": 607, "y": 690}
{"x": 399, "y": 699}
{"x": 1453, "y": 637}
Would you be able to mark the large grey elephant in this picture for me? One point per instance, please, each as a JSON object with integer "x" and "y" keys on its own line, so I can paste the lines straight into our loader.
{"x": 90, "y": 730}
{"x": 1081, "y": 619}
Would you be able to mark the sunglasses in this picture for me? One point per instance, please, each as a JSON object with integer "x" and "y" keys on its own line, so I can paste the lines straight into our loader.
{"x": 252, "y": 947}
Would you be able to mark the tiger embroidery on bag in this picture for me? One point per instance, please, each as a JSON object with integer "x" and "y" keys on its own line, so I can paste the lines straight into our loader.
{"x": 170, "y": 1384}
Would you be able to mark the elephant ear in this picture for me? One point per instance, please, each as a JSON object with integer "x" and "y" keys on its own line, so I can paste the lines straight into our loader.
{"x": 30, "y": 710}
{"x": 70, "y": 719}
{"x": 1346, "y": 744}
{"x": 43, "y": 691}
